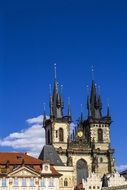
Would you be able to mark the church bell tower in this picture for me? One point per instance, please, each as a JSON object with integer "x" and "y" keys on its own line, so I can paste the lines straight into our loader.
{"x": 57, "y": 127}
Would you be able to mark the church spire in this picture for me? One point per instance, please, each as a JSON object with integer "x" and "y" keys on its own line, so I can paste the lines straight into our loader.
{"x": 44, "y": 115}
{"x": 108, "y": 111}
{"x": 56, "y": 101}
{"x": 94, "y": 104}
{"x": 81, "y": 115}
{"x": 69, "y": 111}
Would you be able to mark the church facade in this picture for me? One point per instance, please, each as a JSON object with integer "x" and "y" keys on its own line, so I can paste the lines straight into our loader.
{"x": 84, "y": 150}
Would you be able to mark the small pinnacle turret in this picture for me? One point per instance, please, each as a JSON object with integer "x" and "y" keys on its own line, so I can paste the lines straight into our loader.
{"x": 44, "y": 115}
{"x": 108, "y": 112}
{"x": 69, "y": 115}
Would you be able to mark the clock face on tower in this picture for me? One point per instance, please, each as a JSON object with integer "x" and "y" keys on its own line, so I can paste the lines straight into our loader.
{"x": 80, "y": 134}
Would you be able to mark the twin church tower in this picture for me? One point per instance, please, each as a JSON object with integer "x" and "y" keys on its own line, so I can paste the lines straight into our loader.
{"x": 86, "y": 148}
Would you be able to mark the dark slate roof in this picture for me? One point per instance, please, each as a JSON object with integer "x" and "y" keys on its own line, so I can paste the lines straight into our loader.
{"x": 49, "y": 153}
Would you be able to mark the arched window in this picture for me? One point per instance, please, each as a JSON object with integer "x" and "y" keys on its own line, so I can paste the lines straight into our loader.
{"x": 65, "y": 182}
{"x": 100, "y": 135}
{"x": 82, "y": 170}
{"x": 61, "y": 134}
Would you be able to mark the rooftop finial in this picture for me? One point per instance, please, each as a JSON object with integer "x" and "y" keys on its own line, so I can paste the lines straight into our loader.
{"x": 55, "y": 70}
{"x": 81, "y": 117}
{"x": 69, "y": 110}
{"x": 81, "y": 108}
{"x": 92, "y": 70}
{"x": 108, "y": 108}
{"x": 87, "y": 89}
{"x": 50, "y": 89}
{"x": 99, "y": 89}
{"x": 108, "y": 102}
{"x": 68, "y": 100}
{"x": 44, "y": 115}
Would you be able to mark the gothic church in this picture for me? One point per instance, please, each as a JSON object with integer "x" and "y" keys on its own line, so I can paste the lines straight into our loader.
{"x": 84, "y": 151}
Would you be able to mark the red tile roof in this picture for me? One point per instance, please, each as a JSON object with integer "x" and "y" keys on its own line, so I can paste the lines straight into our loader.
{"x": 17, "y": 158}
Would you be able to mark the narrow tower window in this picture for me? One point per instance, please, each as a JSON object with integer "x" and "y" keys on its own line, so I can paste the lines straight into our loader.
{"x": 61, "y": 135}
{"x": 48, "y": 137}
{"x": 65, "y": 182}
{"x": 100, "y": 135}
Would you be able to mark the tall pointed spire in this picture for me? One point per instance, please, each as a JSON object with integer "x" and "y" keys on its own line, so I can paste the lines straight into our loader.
{"x": 81, "y": 115}
{"x": 44, "y": 115}
{"x": 61, "y": 97}
{"x": 94, "y": 104}
{"x": 69, "y": 110}
{"x": 56, "y": 101}
{"x": 51, "y": 101}
{"x": 108, "y": 111}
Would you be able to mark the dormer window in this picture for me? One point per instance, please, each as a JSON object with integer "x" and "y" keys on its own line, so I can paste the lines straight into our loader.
{"x": 46, "y": 167}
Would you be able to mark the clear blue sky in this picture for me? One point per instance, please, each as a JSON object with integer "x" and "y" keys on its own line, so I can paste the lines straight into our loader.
{"x": 75, "y": 35}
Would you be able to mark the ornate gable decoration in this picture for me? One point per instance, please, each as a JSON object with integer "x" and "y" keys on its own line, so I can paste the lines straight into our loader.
{"x": 46, "y": 168}
{"x": 23, "y": 172}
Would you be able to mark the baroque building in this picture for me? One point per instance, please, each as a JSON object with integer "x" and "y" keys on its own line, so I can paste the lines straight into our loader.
{"x": 84, "y": 151}
{"x": 18, "y": 171}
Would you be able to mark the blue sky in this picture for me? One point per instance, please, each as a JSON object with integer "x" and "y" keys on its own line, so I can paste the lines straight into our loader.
{"x": 76, "y": 35}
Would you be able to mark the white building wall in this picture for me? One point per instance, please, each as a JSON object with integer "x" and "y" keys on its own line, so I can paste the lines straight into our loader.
{"x": 37, "y": 184}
